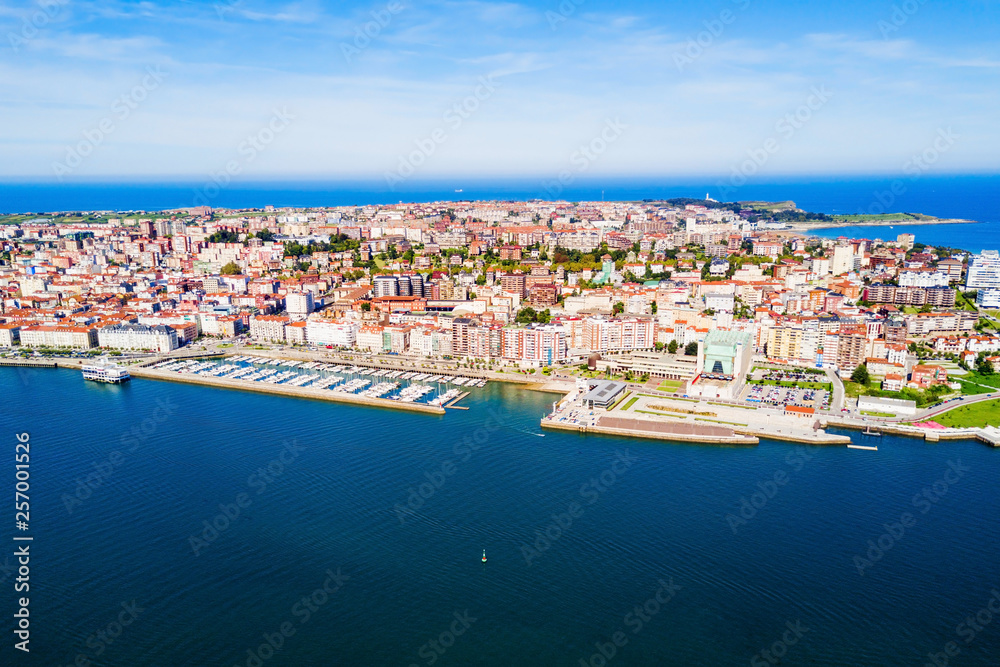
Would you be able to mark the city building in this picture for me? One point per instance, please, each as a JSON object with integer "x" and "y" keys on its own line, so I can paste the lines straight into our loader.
{"x": 299, "y": 304}
{"x": 269, "y": 328}
{"x": 46, "y": 335}
{"x": 984, "y": 271}
{"x": 332, "y": 332}
{"x": 157, "y": 338}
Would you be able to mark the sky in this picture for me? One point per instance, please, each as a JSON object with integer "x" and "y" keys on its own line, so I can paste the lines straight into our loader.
{"x": 401, "y": 90}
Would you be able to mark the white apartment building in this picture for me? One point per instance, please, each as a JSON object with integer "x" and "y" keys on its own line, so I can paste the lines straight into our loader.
{"x": 843, "y": 260}
{"x": 385, "y": 286}
{"x": 544, "y": 344}
{"x": 984, "y": 271}
{"x": 10, "y": 335}
{"x": 720, "y": 302}
{"x": 370, "y": 338}
{"x": 159, "y": 338}
{"x": 268, "y": 327}
{"x": 988, "y": 298}
{"x": 600, "y": 335}
{"x": 430, "y": 342}
{"x": 923, "y": 279}
{"x": 299, "y": 304}
{"x": 44, "y": 335}
{"x": 331, "y": 332}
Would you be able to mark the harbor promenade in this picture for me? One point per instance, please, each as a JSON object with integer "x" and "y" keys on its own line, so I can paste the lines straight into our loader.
{"x": 641, "y": 415}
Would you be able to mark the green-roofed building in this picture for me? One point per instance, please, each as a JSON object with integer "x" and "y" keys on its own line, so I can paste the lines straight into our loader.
{"x": 724, "y": 359}
{"x": 722, "y": 353}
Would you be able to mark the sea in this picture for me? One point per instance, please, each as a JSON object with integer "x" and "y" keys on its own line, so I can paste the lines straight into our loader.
{"x": 972, "y": 197}
{"x": 186, "y": 525}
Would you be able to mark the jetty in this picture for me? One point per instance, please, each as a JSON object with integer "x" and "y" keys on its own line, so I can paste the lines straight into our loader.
{"x": 989, "y": 435}
{"x": 613, "y": 409}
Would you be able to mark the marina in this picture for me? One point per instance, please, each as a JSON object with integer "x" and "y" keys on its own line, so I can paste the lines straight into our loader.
{"x": 387, "y": 386}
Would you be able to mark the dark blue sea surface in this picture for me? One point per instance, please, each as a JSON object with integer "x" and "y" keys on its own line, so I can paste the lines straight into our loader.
{"x": 696, "y": 555}
{"x": 967, "y": 196}
{"x": 973, "y": 237}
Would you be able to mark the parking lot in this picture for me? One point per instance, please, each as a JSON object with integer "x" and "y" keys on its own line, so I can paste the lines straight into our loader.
{"x": 775, "y": 396}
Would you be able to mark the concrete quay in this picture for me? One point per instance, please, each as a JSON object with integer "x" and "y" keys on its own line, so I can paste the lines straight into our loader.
{"x": 654, "y": 431}
{"x": 989, "y": 435}
{"x": 642, "y": 415}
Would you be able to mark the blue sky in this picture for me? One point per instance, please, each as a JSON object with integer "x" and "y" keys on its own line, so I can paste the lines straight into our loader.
{"x": 884, "y": 80}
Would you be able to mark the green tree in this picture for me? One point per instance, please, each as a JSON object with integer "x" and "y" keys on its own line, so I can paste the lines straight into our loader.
{"x": 618, "y": 308}
{"x": 860, "y": 375}
{"x": 691, "y": 349}
{"x": 652, "y": 308}
{"x": 265, "y": 235}
{"x": 366, "y": 306}
{"x": 230, "y": 269}
{"x": 526, "y": 315}
{"x": 984, "y": 366}
{"x": 672, "y": 347}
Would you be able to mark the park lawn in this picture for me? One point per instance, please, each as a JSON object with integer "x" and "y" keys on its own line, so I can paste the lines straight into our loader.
{"x": 986, "y": 413}
{"x": 970, "y": 389}
{"x": 877, "y": 414}
{"x": 630, "y": 403}
{"x": 853, "y": 389}
{"x": 991, "y": 380}
{"x": 669, "y": 385}
{"x": 620, "y": 401}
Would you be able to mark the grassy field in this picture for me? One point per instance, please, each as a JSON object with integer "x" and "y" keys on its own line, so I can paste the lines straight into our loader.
{"x": 970, "y": 389}
{"x": 991, "y": 380}
{"x": 922, "y": 397}
{"x": 630, "y": 403}
{"x": 670, "y": 385}
{"x": 877, "y": 414}
{"x": 620, "y": 401}
{"x": 883, "y": 217}
{"x": 770, "y": 205}
{"x": 986, "y": 413}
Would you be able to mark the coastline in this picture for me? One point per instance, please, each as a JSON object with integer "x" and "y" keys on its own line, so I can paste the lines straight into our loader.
{"x": 801, "y": 227}
{"x": 735, "y": 439}
{"x": 740, "y": 435}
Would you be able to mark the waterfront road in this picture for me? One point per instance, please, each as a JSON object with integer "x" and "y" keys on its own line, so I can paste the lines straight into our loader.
{"x": 837, "y": 402}
{"x": 923, "y": 415}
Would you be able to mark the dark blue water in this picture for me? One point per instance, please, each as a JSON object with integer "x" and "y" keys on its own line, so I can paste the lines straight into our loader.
{"x": 973, "y": 237}
{"x": 969, "y": 197}
{"x": 330, "y": 506}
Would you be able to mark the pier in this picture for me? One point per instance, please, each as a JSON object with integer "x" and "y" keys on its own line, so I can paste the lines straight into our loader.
{"x": 989, "y": 435}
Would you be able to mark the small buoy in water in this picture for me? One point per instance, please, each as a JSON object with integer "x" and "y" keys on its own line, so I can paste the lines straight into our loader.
{"x": 484, "y": 555}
